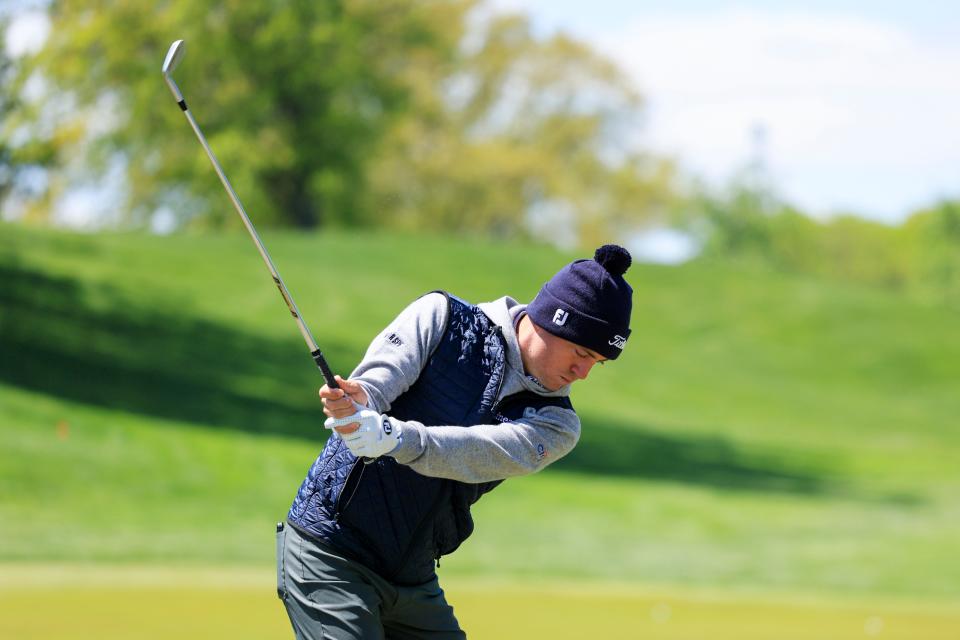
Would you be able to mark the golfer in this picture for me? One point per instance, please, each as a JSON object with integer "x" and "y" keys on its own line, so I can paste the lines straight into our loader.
{"x": 449, "y": 400}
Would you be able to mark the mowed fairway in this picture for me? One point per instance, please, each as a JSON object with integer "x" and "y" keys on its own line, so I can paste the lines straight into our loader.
{"x": 39, "y": 602}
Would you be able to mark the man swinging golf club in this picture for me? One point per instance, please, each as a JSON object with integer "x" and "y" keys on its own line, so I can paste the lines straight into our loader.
{"x": 449, "y": 400}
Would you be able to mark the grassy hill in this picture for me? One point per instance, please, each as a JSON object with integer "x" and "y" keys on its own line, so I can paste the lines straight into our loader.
{"x": 761, "y": 432}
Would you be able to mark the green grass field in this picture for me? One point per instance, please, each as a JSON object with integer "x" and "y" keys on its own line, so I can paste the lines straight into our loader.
{"x": 772, "y": 455}
{"x": 114, "y": 603}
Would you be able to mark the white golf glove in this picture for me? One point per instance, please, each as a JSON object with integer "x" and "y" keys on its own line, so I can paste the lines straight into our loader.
{"x": 376, "y": 436}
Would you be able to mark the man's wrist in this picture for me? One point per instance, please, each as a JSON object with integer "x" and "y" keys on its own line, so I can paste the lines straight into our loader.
{"x": 408, "y": 445}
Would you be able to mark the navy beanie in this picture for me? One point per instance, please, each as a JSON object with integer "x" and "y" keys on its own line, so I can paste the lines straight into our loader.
{"x": 588, "y": 302}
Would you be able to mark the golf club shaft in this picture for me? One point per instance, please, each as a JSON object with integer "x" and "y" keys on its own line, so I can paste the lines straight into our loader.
{"x": 307, "y": 337}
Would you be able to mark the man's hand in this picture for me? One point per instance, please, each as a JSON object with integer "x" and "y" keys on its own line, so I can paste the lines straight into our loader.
{"x": 366, "y": 433}
{"x": 343, "y": 402}
{"x": 375, "y": 436}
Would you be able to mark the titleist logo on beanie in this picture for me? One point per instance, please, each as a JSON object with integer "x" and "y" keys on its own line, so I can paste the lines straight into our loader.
{"x": 588, "y": 302}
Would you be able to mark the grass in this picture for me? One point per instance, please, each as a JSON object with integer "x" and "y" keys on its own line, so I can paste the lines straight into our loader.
{"x": 762, "y": 431}
{"x": 148, "y": 603}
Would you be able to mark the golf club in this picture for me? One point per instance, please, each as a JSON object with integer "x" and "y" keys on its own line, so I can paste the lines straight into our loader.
{"x": 174, "y": 56}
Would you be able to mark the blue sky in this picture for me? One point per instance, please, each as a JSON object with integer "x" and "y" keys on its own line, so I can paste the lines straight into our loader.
{"x": 859, "y": 102}
{"x": 935, "y": 19}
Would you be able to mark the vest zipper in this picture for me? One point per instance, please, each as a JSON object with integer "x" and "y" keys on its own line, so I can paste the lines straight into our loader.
{"x": 346, "y": 483}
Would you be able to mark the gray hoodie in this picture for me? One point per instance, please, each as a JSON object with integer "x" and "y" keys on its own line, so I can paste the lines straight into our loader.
{"x": 477, "y": 453}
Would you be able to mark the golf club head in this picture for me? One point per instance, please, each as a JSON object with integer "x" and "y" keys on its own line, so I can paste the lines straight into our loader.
{"x": 174, "y": 55}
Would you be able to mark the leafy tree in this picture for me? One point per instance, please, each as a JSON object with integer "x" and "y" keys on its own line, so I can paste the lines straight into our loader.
{"x": 410, "y": 113}
{"x": 750, "y": 220}
{"x": 293, "y": 95}
{"x": 6, "y": 105}
{"x": 860, "y": 250}
{"x": 17, "y": 155}
{"x": 517, "y": 125}
{"x": 932, "y": 236}
{"x": 737, "y": 221}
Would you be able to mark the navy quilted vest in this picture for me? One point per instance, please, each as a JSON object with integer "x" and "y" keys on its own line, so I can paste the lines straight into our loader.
{"x": 386, "y": 515}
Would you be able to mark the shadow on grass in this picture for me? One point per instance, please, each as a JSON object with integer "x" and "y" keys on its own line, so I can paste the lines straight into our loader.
{"x": 93, "y": 345}
{"x": 620, "y": 449}
{"x": 624, "y": 450}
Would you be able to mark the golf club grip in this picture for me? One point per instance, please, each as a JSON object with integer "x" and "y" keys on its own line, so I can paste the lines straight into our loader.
{"x": 325, "y": 369}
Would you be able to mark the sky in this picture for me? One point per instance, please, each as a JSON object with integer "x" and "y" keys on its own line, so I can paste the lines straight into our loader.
{"x": 850, "y": 106}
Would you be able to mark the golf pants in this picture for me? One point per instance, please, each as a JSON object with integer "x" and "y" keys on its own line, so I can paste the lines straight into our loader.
{"x": 330, "y": 597}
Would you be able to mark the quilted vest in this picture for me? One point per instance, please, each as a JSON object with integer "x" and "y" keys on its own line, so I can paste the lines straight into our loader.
{"x": 386, "y": 515}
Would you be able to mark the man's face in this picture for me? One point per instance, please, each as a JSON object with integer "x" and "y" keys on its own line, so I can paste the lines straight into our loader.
{"x": 553, "y": 361}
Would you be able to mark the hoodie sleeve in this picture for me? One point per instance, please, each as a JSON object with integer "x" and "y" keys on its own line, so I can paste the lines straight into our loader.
{"x": 486, "y": 452}
{"x": 397, "y": 355}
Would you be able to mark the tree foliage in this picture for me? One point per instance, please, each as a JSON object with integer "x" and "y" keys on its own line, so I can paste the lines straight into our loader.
{"x": 410, "y": 113}
{"x": 932, "y": 239}
{"x": 293, "y": 96}
{"x": 921, "y": 255}
{"x": 516, "y": 129}
{"x": 6, "y": 105}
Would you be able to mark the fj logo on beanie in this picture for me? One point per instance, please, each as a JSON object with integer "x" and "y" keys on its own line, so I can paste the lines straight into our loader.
{"x": 588, "y": 302}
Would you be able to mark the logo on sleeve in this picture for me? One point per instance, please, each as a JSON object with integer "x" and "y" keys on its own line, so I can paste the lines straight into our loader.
{"x": 560, "y": 317}
{"x": 395, "y": 340}
{"x": 618, "y": 341}
{"x": 541, "y": 452}
{"x": 387, "y": 427}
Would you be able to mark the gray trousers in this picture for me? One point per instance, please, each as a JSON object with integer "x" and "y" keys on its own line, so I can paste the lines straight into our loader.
{"x": 330, "y": 597}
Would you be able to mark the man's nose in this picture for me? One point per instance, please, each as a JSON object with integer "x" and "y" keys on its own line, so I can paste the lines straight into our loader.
{"x": 582, "y": 369}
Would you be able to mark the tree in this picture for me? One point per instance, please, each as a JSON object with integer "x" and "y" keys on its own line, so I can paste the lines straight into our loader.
{"x": 6, "y": 106}
{"x": 409, "y": 113}
{"x": 293, "y": 96}
{"x": 932, "y": 236}
{"x": 518, "y": 130}
{"x": 736, "y": 221}
{"x": 17, "y": 155}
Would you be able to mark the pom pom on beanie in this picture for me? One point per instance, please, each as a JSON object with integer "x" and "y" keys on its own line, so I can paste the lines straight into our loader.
{"x": 614, "y": 258}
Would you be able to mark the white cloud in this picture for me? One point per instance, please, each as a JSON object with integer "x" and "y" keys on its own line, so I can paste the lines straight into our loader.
{"x": 861, "y": 109}
{"x": 858, "y": 113}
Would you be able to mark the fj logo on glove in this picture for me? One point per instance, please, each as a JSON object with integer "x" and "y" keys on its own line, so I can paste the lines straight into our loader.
{"x": 387, "y": 427}
{"x": 618, "y": 341}
{"x": 560, "y": 317}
